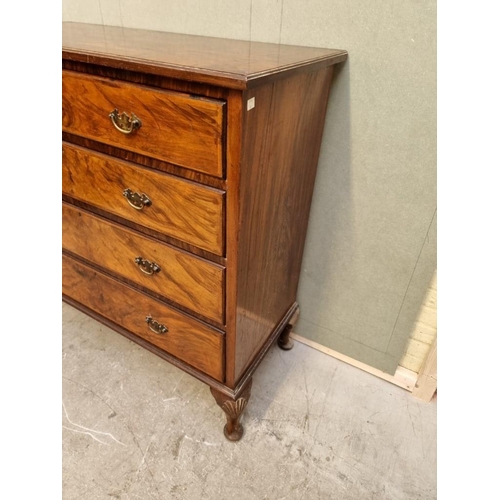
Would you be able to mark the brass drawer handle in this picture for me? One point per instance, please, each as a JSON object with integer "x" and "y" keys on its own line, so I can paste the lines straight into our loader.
{"x": 136, "y": 200}
{"x": 146, "y": 266}
{"x": 124, "y": 123}
{"x": 156, "y": 327}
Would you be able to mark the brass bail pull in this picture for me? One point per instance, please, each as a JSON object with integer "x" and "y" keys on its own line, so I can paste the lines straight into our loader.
{"x": 155, "y": 326}
{"x": 137, "y": 200}
{"x": 124, "y": 123}
{"x": 146, "y": 266}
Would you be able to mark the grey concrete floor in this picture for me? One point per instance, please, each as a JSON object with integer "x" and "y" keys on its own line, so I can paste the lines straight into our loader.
{"x": 135, "y": 427}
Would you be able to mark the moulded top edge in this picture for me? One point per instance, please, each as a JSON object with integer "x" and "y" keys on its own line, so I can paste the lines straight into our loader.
{"x": 228, "y": 63}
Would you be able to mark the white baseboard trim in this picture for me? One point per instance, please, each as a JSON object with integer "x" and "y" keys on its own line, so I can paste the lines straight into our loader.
{"x": 402, "y": 378}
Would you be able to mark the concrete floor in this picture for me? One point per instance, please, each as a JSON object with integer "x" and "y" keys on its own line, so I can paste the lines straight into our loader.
{"x": 135, "y": 427}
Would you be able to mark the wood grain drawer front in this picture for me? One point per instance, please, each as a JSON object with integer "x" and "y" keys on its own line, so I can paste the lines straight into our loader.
{"x": 182, "y": 209}
{"x": 179, "y": 276}
{"x": 186, "y": 339}
{"x": 175, "y": 127}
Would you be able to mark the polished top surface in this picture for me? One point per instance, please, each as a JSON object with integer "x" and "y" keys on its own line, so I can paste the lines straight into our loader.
{"x": 231, "y": 63}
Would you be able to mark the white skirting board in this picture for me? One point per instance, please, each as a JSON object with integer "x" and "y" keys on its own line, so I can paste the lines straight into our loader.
{"x": 422, "y": 385}
{"x": 417, "y": 370}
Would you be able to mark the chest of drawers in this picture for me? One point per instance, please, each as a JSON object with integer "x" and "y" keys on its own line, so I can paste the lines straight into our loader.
{"x": 188, "y": 172}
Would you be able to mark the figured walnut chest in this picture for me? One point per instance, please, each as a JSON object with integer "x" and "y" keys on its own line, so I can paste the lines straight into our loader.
{"x": 188, "y": 172}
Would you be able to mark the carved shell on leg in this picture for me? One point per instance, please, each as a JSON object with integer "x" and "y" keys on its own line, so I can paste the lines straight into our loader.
{"x": 234, "y": 409}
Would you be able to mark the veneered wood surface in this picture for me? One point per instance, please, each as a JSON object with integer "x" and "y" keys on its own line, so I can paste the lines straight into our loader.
{"x": 270, "y": 151}
{"x": 169, "y": 240}
{"x": 281, "y": 143}
{"x": 228, "y": 63}
{"x": 186, "y": 339}
{"x": 270, "y": 341}
{"x": 190, "y": 87}
{"x": 186, "y": 87}
{"x": 190, "y": 281}
{"x": 235, "y": 111}
{"x": 180, "y": 208}
{"x": 146, "y": 161}
{"x": 176, "y": 127}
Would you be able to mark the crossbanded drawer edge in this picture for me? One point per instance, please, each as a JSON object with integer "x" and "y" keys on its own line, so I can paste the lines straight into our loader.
{"x": 179, "y": 128}
{"x": 191, "y": 341}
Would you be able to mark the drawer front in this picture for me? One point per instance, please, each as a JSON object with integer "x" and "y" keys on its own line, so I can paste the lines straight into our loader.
{"x": 175, "y": 127}
{"x": 186, "y": 339}
{"x": 182, "y": 209}
{"x": 190, "y": 281}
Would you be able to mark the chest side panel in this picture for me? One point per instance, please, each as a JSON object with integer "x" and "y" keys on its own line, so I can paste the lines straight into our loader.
{"x": 281, "y": 143}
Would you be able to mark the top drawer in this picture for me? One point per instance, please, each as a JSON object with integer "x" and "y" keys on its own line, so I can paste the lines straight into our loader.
{"x": 174, "y": 127}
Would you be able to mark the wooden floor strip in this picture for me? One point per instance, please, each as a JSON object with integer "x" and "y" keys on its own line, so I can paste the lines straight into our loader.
{"x": 402, "y": 378}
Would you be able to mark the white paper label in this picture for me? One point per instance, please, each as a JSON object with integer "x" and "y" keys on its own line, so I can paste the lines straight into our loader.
{"x": 251, "y": 103}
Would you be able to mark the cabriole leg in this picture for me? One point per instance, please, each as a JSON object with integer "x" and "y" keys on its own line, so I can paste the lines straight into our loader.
{"x": 284, "y": 340}
{"x": 233, "y": 408}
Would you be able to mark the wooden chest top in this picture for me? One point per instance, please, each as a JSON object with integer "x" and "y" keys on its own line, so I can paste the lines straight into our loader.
{"x": 227, "y": 63}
